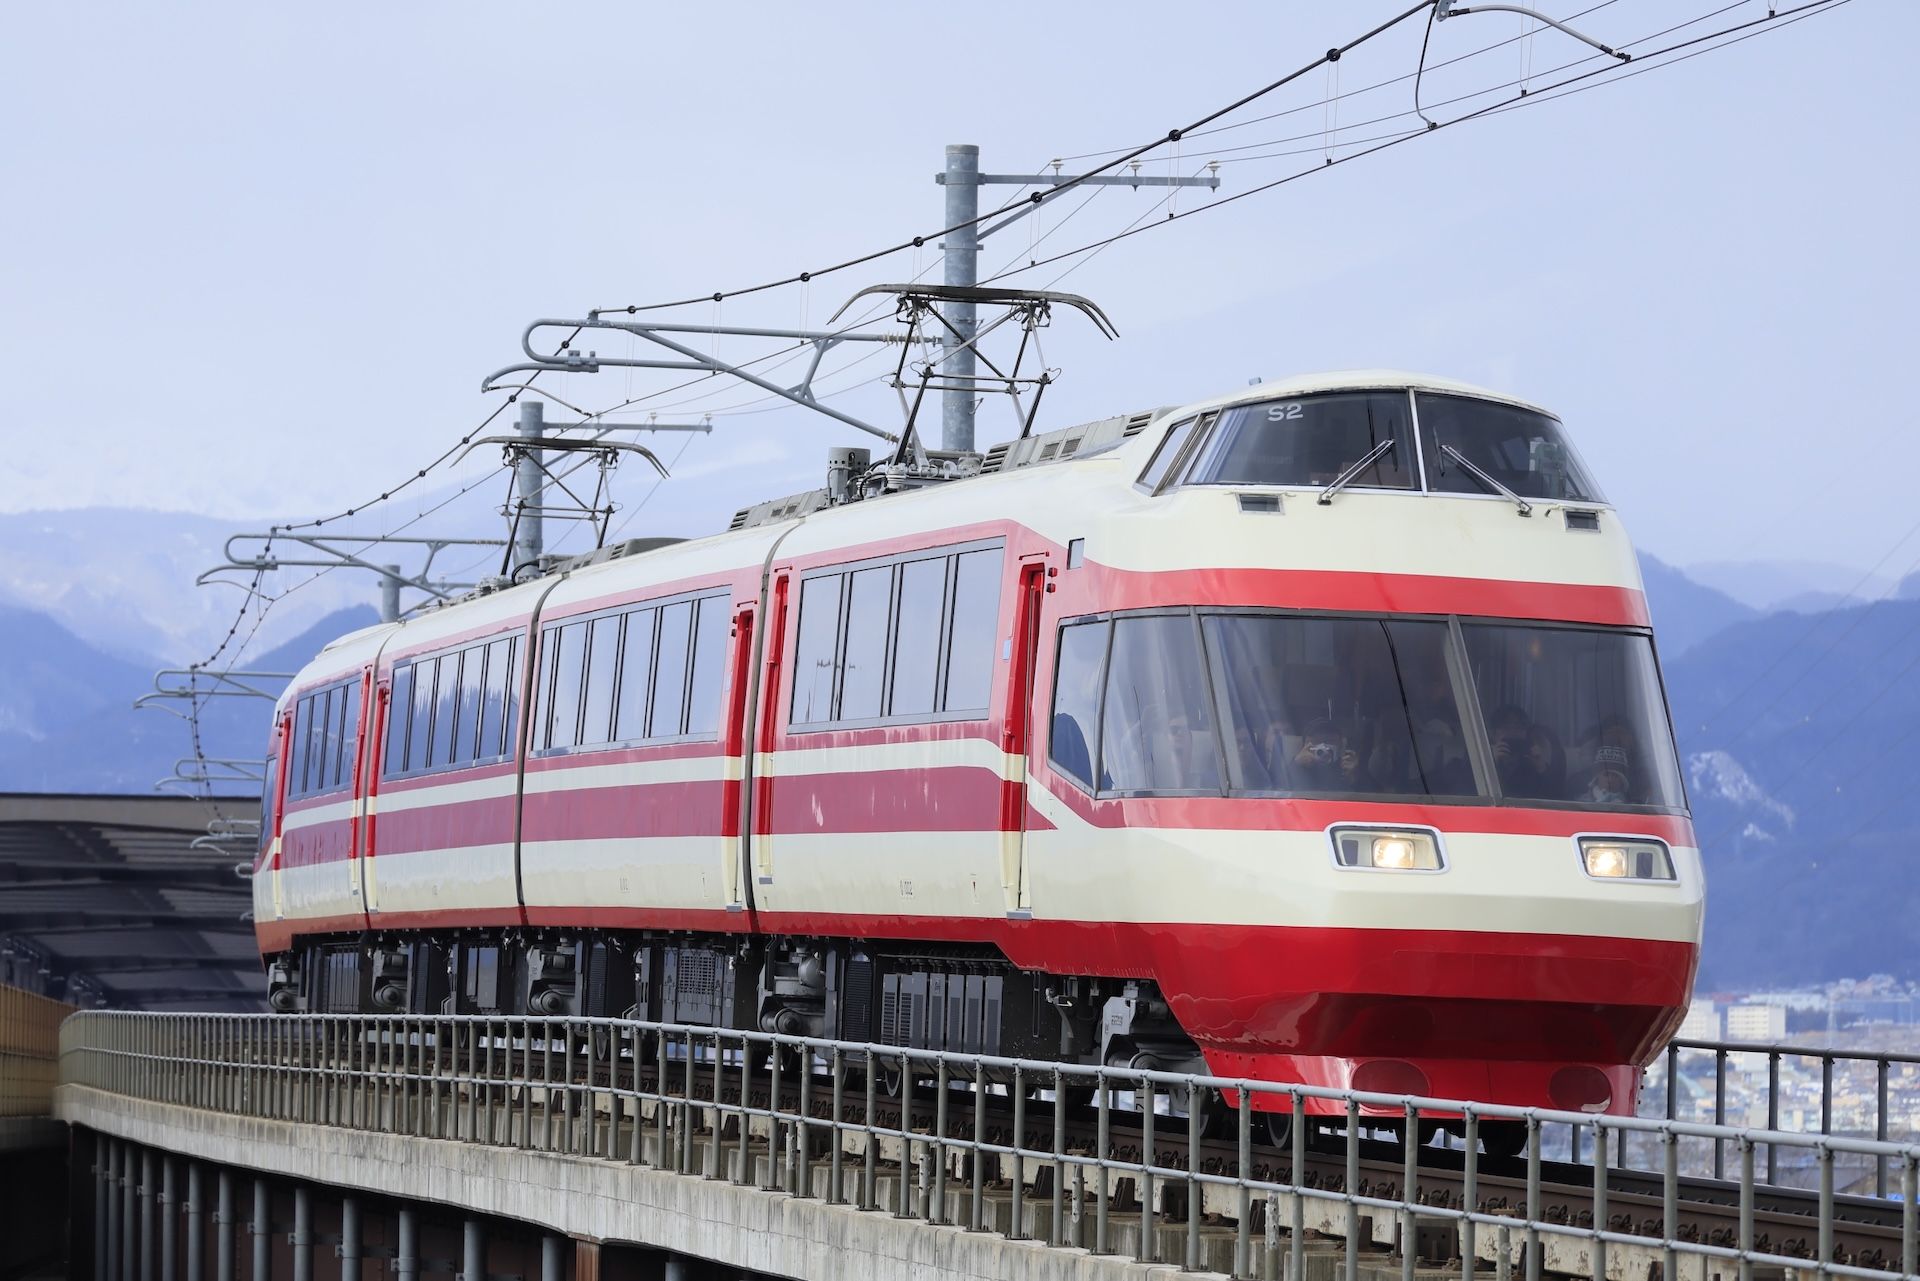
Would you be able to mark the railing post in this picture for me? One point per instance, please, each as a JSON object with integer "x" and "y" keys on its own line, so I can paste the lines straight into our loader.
{"x": 1352, "y": 1190}
{"x": 1017, "y": 1229}
{"x": 1409, "y": 1182}
{"x": 1719, "y": 1112}
{"x": 1670, "y": 1201}
{"x": 1773, "y": 1115}
{"x": 1194, "y": 1106}
{"x": 1243, "y": 1170}
{"x": 1103, "y": 1152}
{"x": 1533, "y": 1197}
{"x": 1880, "y": 1127}
{"x": 1826, "y": 1208}
{"x": 1746, "y": 1208}
{"x": 1470, "y": 1197}
{"x": 1057, "y": 1233}
{"x": 1297, "y": 1242}
{"x": 1826, "y": 1094}
{"x": 976, "y": 1210}
{"x": 937, "y": 1197}
{"x": 1599, "y": 1254}
{"x": 1149, "y": 1246}
{"x": 836, "y": 1186}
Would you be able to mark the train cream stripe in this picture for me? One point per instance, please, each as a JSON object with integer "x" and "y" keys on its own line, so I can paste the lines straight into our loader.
{"x": 332, "y": 812}
{"x": 877, "y": 757}
{"x": 686, "y": 769}
{"x": 451, "y": 793}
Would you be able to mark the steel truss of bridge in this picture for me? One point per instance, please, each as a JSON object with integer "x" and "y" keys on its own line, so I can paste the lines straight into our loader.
{"x": 735, "y": 1150}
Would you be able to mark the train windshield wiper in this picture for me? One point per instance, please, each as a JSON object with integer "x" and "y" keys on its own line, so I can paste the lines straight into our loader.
{"x": 1359, "y": 465}
{"x": 1526, "y": 508}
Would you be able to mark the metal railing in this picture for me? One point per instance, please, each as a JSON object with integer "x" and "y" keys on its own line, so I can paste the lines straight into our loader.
{"x": 1110, "y": 1159}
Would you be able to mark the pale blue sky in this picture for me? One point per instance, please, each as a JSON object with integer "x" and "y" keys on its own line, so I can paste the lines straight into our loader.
{"x": 258, "y": 257}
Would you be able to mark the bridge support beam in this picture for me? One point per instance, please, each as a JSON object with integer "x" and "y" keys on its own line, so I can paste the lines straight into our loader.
{"x": 406, "y": 1263}
{"x": 349, "y": 1238}
{"x": 148, "y": 1240}
{"x": 129, "y": 1214}
{"x": 223, "y": 1229}
{"x": 302, "y": 1233}
{"x": 262, "y": 1231}
{"x": 102, "y": 1205}
{"x": 473, "y": 1253}
{"x": 169, "y": 1219}
{"x": 196, "y": 1211}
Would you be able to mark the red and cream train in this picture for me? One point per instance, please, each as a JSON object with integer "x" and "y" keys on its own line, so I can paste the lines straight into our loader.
{"x": 1313, "y": 731}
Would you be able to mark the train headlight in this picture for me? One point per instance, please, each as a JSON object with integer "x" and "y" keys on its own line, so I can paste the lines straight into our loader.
{"x": 1624, "y": 858}
{"x": 1395, "y": 850}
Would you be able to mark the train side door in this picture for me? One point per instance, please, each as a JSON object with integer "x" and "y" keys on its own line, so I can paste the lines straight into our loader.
{"x": 358, "y": 814}
{"x": 1017, "y": 734}
{"x": 766, "y": 721}
{"x": 285, "y": 733}
{"x": 367, "y": 787}
{"x": 734, "y": 761}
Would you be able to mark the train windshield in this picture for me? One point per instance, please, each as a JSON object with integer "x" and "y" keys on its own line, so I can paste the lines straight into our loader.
{"x": 1574, "y": 715}
{"x": 1265, "y": 704}
{"x": 1481, "y": 446}
{"x": 1338, "y": 706}
{"x": 1313, "y": 440}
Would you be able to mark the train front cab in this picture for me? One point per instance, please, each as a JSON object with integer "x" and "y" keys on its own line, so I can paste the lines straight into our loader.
{"x": 1393, "y": 802}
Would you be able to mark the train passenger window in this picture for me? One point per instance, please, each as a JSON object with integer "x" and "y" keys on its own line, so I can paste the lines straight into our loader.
{"x": 1522, "y": 449}
{"x": 297, "y": 747}
{"x": 446, "y": 714}
{"x": 916, "y": 637}
{"x": 1574, "y": 715}
{"x": 710, "y": 632}
{"x": 1077, "y": 678}
{"x": 399, "y": 710}
{"x": 636, "y": 676}
{"x": 972, "y": 646}
{"x": 1338, "y": 706}
{"x": 419, "y": 733}
{"x": 473, "y": 698}
{"x": 670, "y": 672}
{"x": 1312, "y": 440}
{"x": 1168, "y": 453}
{"x": 864, "y": 654}
{"x": 494, "y": 717}
{"x": 813, "y": 652}
{"x": 344, "y": 730}
{"x": 1156, "y": 731}
{"x": 603, "y": 656}
{"x": 569, "y": 646}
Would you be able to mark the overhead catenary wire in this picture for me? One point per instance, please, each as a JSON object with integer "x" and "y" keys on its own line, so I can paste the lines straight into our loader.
{"x": 1039, "y": 197}
{"x": 1643, "y": 62}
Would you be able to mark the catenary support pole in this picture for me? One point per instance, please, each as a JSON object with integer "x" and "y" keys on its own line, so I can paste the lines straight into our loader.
{"x": 350, "y": 1234}
{"x": 390, "y": 594}
{"x": 962, "y": 267}
{"x": 527, "y": 540}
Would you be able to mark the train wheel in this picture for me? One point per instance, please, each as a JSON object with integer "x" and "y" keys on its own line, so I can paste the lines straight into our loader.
{"x": 1278, "y": 1128}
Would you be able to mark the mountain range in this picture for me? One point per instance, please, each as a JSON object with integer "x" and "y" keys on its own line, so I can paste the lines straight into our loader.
{"x": 1800, "y": 730}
